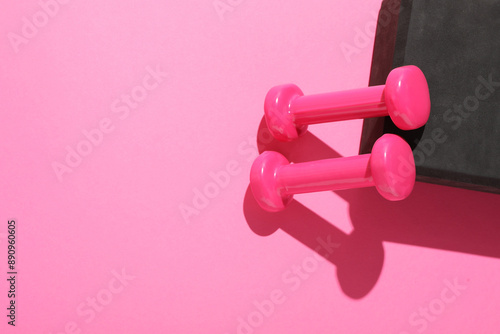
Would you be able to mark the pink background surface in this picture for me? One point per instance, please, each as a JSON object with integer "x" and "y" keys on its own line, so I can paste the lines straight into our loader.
{"x": 389, "y": 267}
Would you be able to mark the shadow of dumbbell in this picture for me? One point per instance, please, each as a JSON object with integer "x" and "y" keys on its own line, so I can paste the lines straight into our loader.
{"x": 358, "y": 256}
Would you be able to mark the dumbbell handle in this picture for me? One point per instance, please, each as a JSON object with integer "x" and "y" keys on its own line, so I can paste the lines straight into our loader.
{"x": 339, "y": 106}
{"x": 322, "y": 175}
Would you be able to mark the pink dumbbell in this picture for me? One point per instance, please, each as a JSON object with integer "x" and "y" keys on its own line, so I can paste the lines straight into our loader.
{"x": 390, "y": 168}
{"x": 404, "y": 97}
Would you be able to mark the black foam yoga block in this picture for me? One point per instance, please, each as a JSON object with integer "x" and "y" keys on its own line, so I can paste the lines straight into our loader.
{"x": 456, "y": 43}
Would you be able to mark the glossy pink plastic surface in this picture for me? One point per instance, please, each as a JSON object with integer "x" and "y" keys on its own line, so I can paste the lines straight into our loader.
{"x": 390, "y": 168}
{"x": 279, "y": 118}
{"x": 405, "y": 98}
